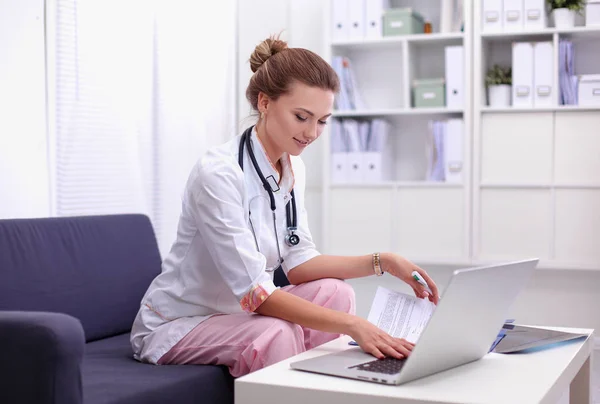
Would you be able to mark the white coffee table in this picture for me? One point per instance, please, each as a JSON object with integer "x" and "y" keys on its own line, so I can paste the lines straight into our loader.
{"x": 541, "y": 376}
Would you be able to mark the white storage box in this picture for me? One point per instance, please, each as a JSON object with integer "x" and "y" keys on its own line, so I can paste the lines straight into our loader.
{"x": 589, "y": 90}
{"x": 592, "y": 13}
{"x": 534, "y": 14}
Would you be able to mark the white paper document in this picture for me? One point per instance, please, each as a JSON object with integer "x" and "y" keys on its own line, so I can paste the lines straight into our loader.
{"x": 399, "y": 314}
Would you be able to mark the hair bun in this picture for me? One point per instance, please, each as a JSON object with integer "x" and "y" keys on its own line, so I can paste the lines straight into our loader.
{"x": 264, "y": 51}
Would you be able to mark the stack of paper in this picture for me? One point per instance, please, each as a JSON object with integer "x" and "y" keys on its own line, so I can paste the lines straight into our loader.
{"x": 566, "y": 73}
{"x": 399, "y": 314}
{"x": 349, "y": 96}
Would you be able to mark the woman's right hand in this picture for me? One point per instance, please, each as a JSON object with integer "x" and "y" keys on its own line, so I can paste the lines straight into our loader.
{"x": 377, "y": 342}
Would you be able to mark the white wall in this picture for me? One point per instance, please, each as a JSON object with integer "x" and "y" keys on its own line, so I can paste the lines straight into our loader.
{"x": 553, "y": 297}
{"x": 300, "y": 24}
{"x": 24, "y": 179}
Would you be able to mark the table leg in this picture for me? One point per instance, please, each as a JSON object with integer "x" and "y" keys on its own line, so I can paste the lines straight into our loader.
{"x": 580, "y": 390}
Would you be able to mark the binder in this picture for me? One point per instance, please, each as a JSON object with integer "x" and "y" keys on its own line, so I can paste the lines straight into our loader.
{"x": 339, "y": 153}
{"x": 455, "y": 74}
{"x": 372, "y": 167}
{"x": 434, "y": 149}
{"x": 566, "y": 73}
{"x": 356, "y": 19}
{"x": 354, "y": 167}
{"x": 374, "y": 10}
{"x": 453, "y": 150}
{"x": 513, "y": 15}
{"x": 338, "y": 168}
{"x": 339, "y": 20}
{"x": 522, "y": 74}
{"x": 492, "y": 16}
{"x": 544, "y": 92}
{"x": 534, "y": 14}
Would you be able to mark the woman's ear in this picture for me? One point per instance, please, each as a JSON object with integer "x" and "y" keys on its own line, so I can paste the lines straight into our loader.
{"x": 263, "y": 103}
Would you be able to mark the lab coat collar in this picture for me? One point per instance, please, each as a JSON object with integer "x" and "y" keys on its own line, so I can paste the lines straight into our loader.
{"x": 268, "y": 169}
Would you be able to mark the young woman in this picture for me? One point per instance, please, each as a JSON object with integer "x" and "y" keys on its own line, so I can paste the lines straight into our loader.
{"x": 242, "y": 217}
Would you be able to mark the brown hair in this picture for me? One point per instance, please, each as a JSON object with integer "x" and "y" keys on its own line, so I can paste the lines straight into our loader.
{"x": 276, "y": 66}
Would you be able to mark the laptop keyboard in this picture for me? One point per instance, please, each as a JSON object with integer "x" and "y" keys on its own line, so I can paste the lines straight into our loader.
{"x": 388, "y": 365}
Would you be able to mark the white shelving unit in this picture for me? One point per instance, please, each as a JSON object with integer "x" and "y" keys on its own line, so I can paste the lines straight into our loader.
{"x": 425, "y": 221}
{"x": 536, "y": 171}
{"x": 531, "y": 182}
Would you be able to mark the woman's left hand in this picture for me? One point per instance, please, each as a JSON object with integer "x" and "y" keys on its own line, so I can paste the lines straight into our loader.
{"x": 402, "y": 268}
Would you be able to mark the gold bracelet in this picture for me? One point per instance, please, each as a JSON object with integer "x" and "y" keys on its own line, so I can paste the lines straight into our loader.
{"x": 377, "y": 264}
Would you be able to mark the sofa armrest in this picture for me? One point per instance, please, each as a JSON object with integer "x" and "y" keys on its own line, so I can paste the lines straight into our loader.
{"x": 41, "y": 358}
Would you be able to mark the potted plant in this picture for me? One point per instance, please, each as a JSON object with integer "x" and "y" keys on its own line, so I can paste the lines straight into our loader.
{"x": 499, "y": 83}
{"x": 563, "y": 11}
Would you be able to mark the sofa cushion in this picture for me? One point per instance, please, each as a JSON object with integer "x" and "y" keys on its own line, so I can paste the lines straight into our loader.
{"x": 95, "y": 268}
{"x": 112, "y": 376}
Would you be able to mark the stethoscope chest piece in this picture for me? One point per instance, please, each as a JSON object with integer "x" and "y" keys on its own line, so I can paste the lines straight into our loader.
{"x": 292, "y": 239}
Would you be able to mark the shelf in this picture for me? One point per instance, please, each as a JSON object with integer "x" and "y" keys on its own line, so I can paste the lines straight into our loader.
{"x": 539, "y": 186}
{"x": 393, "y": 41}
{"x": 575, "y": 33}
{"x": 559, "y": 108}
{"x": 396, "y": 112}
{"x": 400, "y": 184}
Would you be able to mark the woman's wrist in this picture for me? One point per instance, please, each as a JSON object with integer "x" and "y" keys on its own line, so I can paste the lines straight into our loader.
{"x": 386, "y": 260}
{"x": 349, "y": 323}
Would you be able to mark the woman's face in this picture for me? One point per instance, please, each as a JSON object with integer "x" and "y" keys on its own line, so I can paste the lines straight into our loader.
{"x": 297, "y": 118}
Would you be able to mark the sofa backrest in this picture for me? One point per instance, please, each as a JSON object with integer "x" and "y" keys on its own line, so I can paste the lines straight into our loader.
{"x": 95, "y": 268}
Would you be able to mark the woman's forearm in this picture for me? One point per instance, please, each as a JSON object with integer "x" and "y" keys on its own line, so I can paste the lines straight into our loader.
{"x": 296, "y": 310}
{"x": 332, "y": 266}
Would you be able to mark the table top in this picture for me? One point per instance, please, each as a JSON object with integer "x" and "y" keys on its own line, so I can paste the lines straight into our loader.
{"x": 537, "y": 376}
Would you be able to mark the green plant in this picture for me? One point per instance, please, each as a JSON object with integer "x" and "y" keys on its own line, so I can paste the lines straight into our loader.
{"x": 575, "y": 5}
{"x": 498, "y": 75}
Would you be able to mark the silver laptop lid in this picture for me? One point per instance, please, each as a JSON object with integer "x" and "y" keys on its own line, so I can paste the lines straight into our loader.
{"x": 467, "y": 320}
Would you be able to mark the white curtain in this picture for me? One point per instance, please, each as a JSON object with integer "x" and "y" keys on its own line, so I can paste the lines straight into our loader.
{"x": 196, "y": 48}
{"x": 140, "y": 89}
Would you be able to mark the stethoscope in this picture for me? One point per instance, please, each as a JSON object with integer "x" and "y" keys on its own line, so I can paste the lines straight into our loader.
{"x": 291, "y": 239}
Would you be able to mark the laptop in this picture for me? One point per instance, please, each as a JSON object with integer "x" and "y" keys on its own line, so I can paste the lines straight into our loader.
{"x": 462, "y": 329}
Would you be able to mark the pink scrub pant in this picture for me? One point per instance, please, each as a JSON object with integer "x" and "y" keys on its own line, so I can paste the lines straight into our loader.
{"x": 246, "y": 342}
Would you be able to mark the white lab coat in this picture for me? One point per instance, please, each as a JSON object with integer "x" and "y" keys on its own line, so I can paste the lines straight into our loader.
{"x": 214, "y": 264}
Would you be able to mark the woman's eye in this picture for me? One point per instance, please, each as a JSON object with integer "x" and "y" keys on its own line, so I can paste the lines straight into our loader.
{"x": 301, "y": 118}
{"x": 323, "y": 122}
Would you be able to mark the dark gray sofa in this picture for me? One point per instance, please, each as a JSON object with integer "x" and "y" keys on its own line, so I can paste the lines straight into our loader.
{"x": 69, "y": 291}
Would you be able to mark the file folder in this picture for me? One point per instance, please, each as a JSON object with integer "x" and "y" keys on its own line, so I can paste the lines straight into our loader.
{"x": 453, "y": 150}
{"x": 339, "y": 20}
{"x": 544, "y": 92}
{"x": 356, "y": 19}
{"x": 534, "y": 14}
{"x": 374, "y": 10}
{"x": 522, "y": 74}
{"x": 513, "y": 15}
{"x": 516, "y": 338}
{"x": 455, "y": 74}
{"x": 492, "y": 16}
